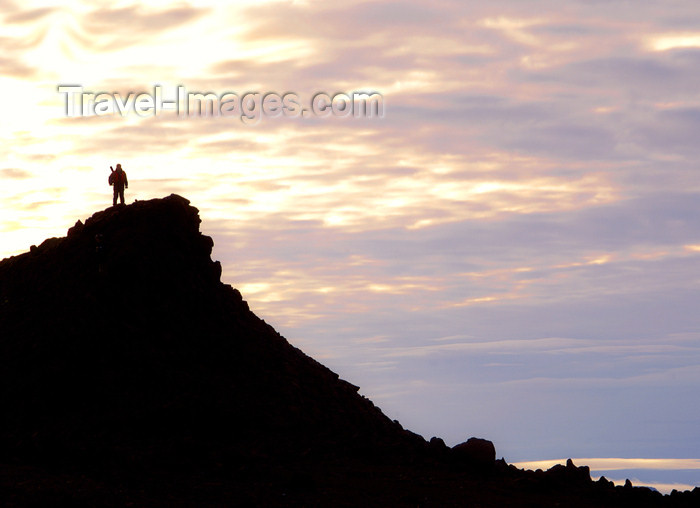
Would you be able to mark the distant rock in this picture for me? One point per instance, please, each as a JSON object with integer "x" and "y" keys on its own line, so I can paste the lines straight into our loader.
{"x": 476, "y": 453}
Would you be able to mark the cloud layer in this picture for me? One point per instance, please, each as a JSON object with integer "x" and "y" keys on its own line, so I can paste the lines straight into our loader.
{"x": 511, "y": 252}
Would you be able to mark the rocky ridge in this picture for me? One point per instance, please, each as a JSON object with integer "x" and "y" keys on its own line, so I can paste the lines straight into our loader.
{"x": 131, "y": 375}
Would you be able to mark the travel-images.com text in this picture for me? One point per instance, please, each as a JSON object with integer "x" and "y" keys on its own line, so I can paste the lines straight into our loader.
{"x": 250, "y": 107}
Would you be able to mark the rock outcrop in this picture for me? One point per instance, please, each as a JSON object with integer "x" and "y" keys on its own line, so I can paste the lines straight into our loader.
{"x": 130, "y": 375}
{"x": 475, "y": 453}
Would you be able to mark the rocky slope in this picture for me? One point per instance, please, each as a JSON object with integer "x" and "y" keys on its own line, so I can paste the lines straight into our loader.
{"x": 130, "y": 375}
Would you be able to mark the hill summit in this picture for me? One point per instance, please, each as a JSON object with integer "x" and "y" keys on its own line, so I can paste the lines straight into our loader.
{"x": 131, "y": 375}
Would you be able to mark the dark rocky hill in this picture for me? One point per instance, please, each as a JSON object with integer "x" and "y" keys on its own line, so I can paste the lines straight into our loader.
{"x": 131, "y": 376}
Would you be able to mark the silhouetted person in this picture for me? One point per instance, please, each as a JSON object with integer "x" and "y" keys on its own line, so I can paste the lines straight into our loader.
{"x": 117, "y": 179}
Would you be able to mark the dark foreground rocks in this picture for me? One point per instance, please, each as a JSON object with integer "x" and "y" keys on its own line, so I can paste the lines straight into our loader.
{"x": 131, "y": 376}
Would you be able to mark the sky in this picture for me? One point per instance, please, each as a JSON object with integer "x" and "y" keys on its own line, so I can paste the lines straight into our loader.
{"x": 510, "y": 250}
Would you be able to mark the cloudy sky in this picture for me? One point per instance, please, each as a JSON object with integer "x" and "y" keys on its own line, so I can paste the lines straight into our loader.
{"x": 511, "y": 252}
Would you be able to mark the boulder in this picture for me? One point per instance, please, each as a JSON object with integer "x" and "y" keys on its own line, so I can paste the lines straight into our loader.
{"x": 475, "y": 453}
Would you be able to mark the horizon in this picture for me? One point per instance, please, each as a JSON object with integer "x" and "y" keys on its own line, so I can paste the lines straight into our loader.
{"x": 509, "y": 250}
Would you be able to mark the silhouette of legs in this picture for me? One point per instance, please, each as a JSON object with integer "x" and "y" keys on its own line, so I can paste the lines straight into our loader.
{"x": 120, "y": 193}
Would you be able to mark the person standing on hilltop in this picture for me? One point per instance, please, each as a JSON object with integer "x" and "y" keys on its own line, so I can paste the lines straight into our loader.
{"x": 117, "y": 179}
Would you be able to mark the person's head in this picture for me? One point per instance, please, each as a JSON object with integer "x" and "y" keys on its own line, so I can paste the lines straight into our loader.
{"x": 119, "y": 167}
